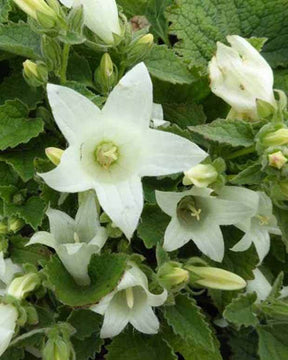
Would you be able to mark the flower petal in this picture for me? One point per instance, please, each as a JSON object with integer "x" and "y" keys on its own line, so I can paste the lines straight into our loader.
{"x": 131, "y": 100}
{"x": 244, "y": 243}
{"x": 44, "y": 238}
{"x": 123, "y": 202}
{"x": 261, "y": 240}
{"x": 168, "y": 153}
{"x": 8, "y": 318}
{"x": 74, "y": 113}
{"x": 176, "y": 235}
{"x": 168, "y": 201}
{"x": 8, "y": 269}
{"x": 236, "y": 193}
{"x": 144, "y": 320}
{"x": 260, "y": 285}
{"x": 68, "y": 176}
{"x": 62, "y": 226}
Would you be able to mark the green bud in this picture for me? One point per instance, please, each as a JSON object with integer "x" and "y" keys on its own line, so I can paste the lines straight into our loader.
{"x": 35, "y": 7}
{"x": 106, "y": 74}
{"x": 264, "y": 109}
{"x": 21, "y": 286}
{"x": 54, "y": 155}
{"x": 277, "y": 160}
{"x": 15, "y": 224}
{"x": 139, "y": 49}
{"x": 201, "y": 175}
{"x": 56, "y": 350}
{"x": 215, "y": 278}
{"x": 276, "y": 138}
{"x": 171, "y": 275}
{"x": 35, "y": 74}
{"x": 76, "y": 19}
{"x": 52, "y": 52}
{"x": 18, "y": 198}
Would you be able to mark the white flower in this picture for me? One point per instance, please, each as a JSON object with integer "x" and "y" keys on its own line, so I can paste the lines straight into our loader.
{"x": 157, "y": 118}
{"x": 7, "y": 271}
{"x": 110, "y": 150}
{"x": 131, "y": 302}
{"x": 196, "y": 215}
{"x": 240, "y": 76}
{"x": 74, "y": 241}
{"x": 8, "y": 318}
{"x": 100, "y": 16}
{"x": 262, "y": 222}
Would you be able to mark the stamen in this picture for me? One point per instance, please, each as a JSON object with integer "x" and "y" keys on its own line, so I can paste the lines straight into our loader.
{"x": 263, "y": 220}
{"x": 76, "y": 238}
{"x": 129, "y": 297}
{"x": 106, "y": 154}
{"x": 194, "y": 212}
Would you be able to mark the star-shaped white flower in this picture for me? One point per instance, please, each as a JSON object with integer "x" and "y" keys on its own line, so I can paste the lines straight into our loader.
{"x": 197, "y": 216}
{"x": 74, "y": 241}
{"x": 7, "y": 271}
{"x": 131, "y": 302}
{"x": 110, "y": 150}
{"x": 262, "y": 222}
{"x": 240, "y": 76}
{"x": 8, "y": 318}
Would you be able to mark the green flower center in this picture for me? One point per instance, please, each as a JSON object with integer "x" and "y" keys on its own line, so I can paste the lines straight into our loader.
{"x": 187, "y": 210}
{"x": 263, "y": 220}
{"x": 106, "y": 154}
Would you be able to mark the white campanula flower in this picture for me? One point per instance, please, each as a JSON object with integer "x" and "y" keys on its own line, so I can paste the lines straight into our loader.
{"x": 7, "y": 271}
{"x": 240, "y": 76}
{"x": 131, "y": 302}
{"x": 262, "y": 222}
{"x": 197, "y": 216}
{"x": 74, "y": 241}
{"x": 111, "y": 150}
{"x": 100, "y": 16}
{"x": 8, "y": 318}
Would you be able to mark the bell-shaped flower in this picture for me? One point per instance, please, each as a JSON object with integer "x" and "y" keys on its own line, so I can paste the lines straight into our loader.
{"x": 74, "y": 241}
{"x": 7, "y": 271}
{"x": 8, "y": 319}
{"x": 262, "y": 222}
{"x": 131, "y": 302}
{"x": 240, "y": 76}
{"x": 100, "y": 16}
{"x": 197, "y": 216}
{"x": 110, "y": 150}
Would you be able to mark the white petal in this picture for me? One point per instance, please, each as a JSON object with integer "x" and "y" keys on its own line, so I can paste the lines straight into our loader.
{"x": 123, "y": 202}
{"x": 176, "y": 235}
{"x": 168, "y": 201}
{"x": 8, "y": 318}
{"x": 62, "y": 226}
{"x": 144, "y": 320}
{"x": 244, "y": 243}
{"x": 168, "y": 153}
{"x": 157, "y": 112}
{"x": 209, "y": 239}
{"x": 69, "y": 175}
{"x": 236, "y": 193}
{"x": 261, "y": 240}
{"x": 102, "y": 306}
{"x": 131, "y": 100}
{"x": 74, "y": 113}
{"x": 156, "y": 300}
{"x": 133, "y": 277}
{"x": 67, "y": 3}
{"x": 260, "y": 285}
{"x": 8, "y": 269}
{"x": 44, "y": 238}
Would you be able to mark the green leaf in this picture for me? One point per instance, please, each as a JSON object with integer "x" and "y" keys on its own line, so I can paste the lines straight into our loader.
{"x": 86, "y": 322}
{"x": 187, "y": 321}
{"x": 5, "y": 8}
{"x": 244, "y": 344}
{"x": 228, "y": 132}
{"x": 165, "y": 65}
{"x": 276, "y": 309}
{"x": 184, "y": 114}
{"x": 13, "y": 353}
{"x": 15, "y": 126}
{"x": 82, "y": 89}
{"x": 7, "y": 175}
{"x": 132, "y": 7}
{"x": 20, "y": 40}
{"x": 79, "y": 70}
{"x": 240, "y": 311}
{"x": 88, "y": 348}
{"x": 273, "y": 341}
{"x": 199, "y": 24}
{"x": 152, "y": 226}
{"x": 282, "y": 220}
{"x": 137, "y": 346}
{"x": 105, "y": 272}
{"x": 156, "y": 15}
{"x": 250, "y": 176}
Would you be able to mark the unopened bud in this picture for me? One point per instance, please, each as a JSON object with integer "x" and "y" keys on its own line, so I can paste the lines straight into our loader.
{"x": 215, "y": 278}
{"x": 21, "y": 286}
{"x": 201, "y": 175}
{"x": 171, "y": 275}
{"x": 276, "y": 138}
{"x": 54, "y": 155}
{"x": 15, "y": 224}
{"x": 277, "y": 160}
{"x": 139, "y": 49}
{"x": 106, "y": 74}
{"x": 76, "y": 19}
{"x": 36, "y": 74}
{"x": 52, "y": 52}
{"x": 57, "y": 349}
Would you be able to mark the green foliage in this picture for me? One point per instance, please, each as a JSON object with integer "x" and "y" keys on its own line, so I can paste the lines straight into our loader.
{"x": 5, "y": 8}
{"x": 273, "y": 341}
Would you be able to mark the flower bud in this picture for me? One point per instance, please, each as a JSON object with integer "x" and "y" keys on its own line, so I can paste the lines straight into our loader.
{"x": 54, "y": 155}
{"x": 57, "y": 349}
{"x": 171, "y": 275}
{"x": 276, "y": 138}
{"x": 277, "y": 160}
{"x": 201, "y": 175}
{"x": 106, "y": 74}
{"x": 52, "y": 52}
{"x": 21, "y": 286}
{"x": 15, "y": 224}
{"x": 36, "y": 74}
{"x": 139, "y": 49}
{"x": 215, "y": 278}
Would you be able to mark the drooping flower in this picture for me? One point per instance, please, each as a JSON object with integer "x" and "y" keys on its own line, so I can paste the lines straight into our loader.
{"x": 240, "y": 76}
{"x": 100, "y": 16}
{"x": 7, "y": 271}
{"x": 110, "y": 150}
{"x": 262, "y": 222}
{"x": 8, "y": 318}
{"x": 197, "y": 216}
{"x": 131, "y": 302}
{"x": 74, "y": 241}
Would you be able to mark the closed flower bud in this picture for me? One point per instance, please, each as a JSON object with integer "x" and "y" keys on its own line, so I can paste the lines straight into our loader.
{"x": 171, "y": 275}
{"x": 276, "y": 138}
{"x": 215, "y": 278}
{"x": 201, "y": 175}
{"x": 52, "y": 52}
{"x": 106, "y": 74}
{"x": 36, "y": 74}
{"x": 277, "y": 160}
{"x": 21, "y": 286}
{"x": 57, "y": 349}
{"x": 15, "y": 224}
{"x": 54, "y": 155}
{"x": 139, "y": 49}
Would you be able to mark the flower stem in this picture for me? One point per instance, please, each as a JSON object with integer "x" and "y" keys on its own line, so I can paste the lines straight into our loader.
{"x": 65, "y": 58}
{"x": 241, "y": 152}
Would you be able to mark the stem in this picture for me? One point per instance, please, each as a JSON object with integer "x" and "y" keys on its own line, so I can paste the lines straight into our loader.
{"x": 241, "y": 152}
{"x": 27, "y": 335}
{"x": 65, "y": 58}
